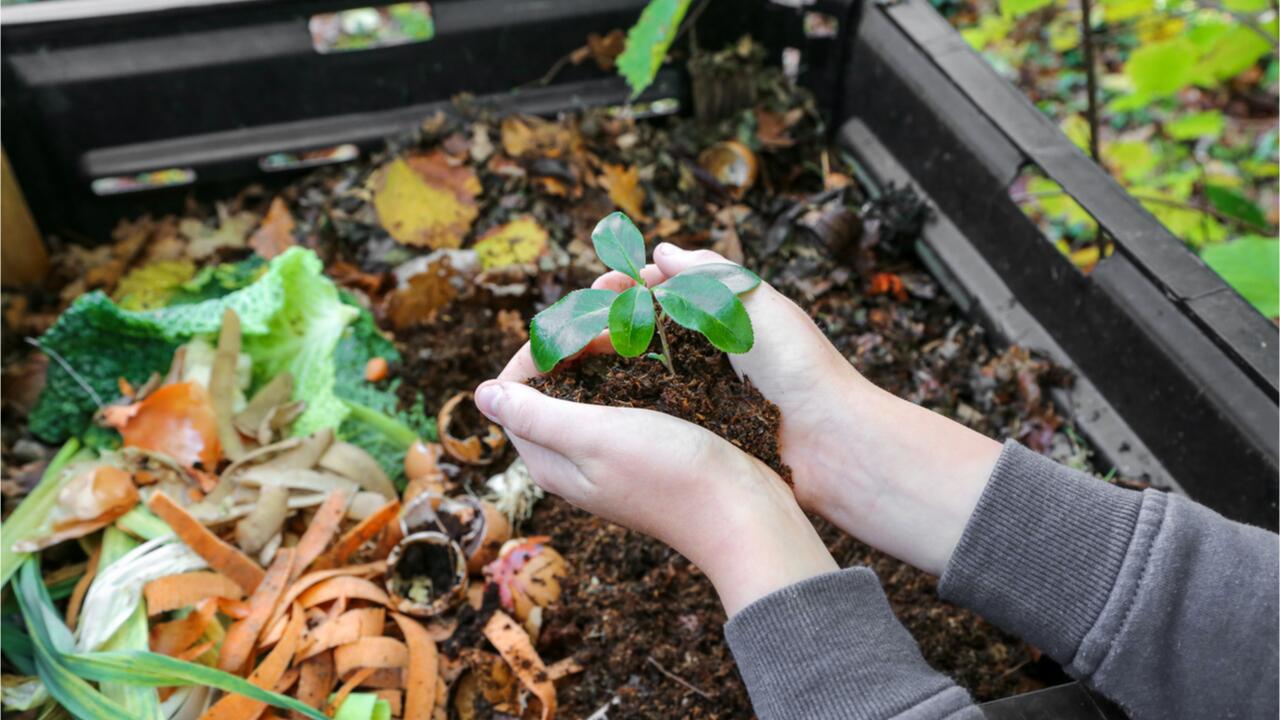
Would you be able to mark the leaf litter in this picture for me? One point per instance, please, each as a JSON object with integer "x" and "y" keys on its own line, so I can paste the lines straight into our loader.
{"x": 435, "y": 254}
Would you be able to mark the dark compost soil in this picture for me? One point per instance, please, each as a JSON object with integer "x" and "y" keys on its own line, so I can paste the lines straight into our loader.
{"x": 705, "y": 391}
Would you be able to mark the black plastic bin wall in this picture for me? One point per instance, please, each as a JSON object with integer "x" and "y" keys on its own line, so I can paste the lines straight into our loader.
{"x": 1177, "y": 378}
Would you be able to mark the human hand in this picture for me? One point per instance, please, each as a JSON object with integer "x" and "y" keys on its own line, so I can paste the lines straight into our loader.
{"x": 727, "y": 512}
{"x": 896, "y": 475}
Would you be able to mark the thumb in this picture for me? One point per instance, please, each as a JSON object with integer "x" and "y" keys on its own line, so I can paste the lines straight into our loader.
{"x": 672, "y": 260}
{"x": 557, "y": 425}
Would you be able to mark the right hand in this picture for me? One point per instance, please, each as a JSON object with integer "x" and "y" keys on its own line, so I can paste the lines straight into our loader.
{"x": 897, "y": 476}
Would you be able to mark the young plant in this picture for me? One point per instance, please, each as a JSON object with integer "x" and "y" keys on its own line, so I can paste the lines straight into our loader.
{"x": 703, "y": 299}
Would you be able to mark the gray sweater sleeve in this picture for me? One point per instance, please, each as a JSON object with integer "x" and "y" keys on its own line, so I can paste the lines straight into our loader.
{"x": 1160, "y": 604}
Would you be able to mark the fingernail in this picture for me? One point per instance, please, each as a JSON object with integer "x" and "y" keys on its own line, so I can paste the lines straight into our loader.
{"x": 665, "y": 248}
{"x": 489, "y": 397}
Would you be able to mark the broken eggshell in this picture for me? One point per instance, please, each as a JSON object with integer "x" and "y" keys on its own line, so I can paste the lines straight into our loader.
{"x": 527, "y": 573}
{"x": 426, "y": 574}
{"x": 732, "y": 164}
{"x": 470, "y": 449}
{"x": 478, "y": 527}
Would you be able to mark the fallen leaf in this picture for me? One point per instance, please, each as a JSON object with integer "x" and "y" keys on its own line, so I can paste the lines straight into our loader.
{"x": 773, "y": 129}
{"x": 623, "y": 184}
{"x": 151, "y": 286}
{"x": 605, "y": 49}
{"x": 232, "y": 231}
{"x": 425, "y": 294}
{"x": 524, "y": 136}
{"x": 275, "y": 235}
{"x": 518, "y": 242}
{"x": 424, "y": 200}
{"x": 351, "y": 276}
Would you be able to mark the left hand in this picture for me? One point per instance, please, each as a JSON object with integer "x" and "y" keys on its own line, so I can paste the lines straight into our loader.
{"x": 724, "y": 510}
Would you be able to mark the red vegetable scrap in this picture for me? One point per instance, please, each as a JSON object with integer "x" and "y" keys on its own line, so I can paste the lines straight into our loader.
{"x": 886, "y": 283}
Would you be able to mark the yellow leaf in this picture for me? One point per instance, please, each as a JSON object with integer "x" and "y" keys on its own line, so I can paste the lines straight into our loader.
{"x": 518, "y": 242}
{"x": 531, "y": 136}
{"x": 150, "y": 286}
{"x": 425, "y": 200}
{"x": 623, "y": 184}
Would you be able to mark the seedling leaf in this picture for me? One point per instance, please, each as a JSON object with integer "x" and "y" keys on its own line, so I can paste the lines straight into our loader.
{"x": 735, "y": 277}
{"x": 704, "y": 304}
{"x": 567, "y": 326}
{"x": 620, "y": 244}
{"x": 631, "y": 321}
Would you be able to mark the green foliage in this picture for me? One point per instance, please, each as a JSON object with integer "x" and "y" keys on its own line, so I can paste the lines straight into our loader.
{"x": 1018, "y": 8}
{"x": 51, "y": 640}
{"x": 1232, "y": 203}
{"x": 704, "y": 304}
{"x": 704, "y": 299}
{"x": 301, "y": 339}
{"x": 26, "y": 519}
{"x": 1200, "y": 162}
{"x": 735, "y": 277}
{"x": 1251, "y": 265}
{"x": 647, "y": 42}
{"x": 216, "y": 281}
{"x": 375, "y": 419}
{"x": 101, "y": 342}
{"x": 568, "y": 325}
{"x": 363, "y": 706}
{"x": 620, "y": 245}
{"x": 631, "y": 321}
{"x": 154, "y": 670}
{"x": 1162, "y": 68}
{"x": 1193, "y": 126}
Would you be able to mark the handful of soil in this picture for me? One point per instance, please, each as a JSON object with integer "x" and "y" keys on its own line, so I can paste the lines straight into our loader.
{"x": 705, "y": 391}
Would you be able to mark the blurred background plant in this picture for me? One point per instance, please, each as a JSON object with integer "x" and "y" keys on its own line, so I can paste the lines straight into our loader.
{"x": 1185, "y": 106}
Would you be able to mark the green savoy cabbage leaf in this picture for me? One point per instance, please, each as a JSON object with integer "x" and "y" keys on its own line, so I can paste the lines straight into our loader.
{"x": 302, "y": 336}
{"x": 95, "y": 342}
{"x": 375, "y": 420}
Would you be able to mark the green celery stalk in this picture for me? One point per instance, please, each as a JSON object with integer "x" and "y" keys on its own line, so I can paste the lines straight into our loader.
{"x": 143, "y": 702}
{"x": 30, "y": 515}
{"x": 142, "y": 523}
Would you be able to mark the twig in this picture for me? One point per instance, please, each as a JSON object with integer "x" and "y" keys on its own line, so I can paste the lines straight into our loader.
{"x": 1091, "y": 76}
{"x": 679, "y": 679}
{"x": 689, "y": 20}
{"x": 84, "y": 384}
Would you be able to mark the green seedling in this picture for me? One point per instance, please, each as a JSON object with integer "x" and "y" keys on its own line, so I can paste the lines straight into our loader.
{"x": 703, "y": 299}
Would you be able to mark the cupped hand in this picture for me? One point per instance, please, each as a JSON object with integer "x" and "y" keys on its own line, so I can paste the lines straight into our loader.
{"x": 724, "y": 510}
{"x": 895, "y": 475}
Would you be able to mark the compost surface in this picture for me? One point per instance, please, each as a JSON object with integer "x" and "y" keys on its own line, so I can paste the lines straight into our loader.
{"x": 643, "y": 625}
{"x": 704, "y": 390}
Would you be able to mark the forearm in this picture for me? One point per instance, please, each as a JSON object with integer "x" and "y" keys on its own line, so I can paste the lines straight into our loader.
{"x": 1159, "y": 603}
{"x": 900, "y": 477}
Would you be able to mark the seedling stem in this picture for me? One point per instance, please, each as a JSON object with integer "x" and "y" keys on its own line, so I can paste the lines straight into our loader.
{"x": 665, "y": 357}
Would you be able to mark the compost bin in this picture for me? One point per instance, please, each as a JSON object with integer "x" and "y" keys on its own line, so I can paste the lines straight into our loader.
{"x": 116, "y": 111}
